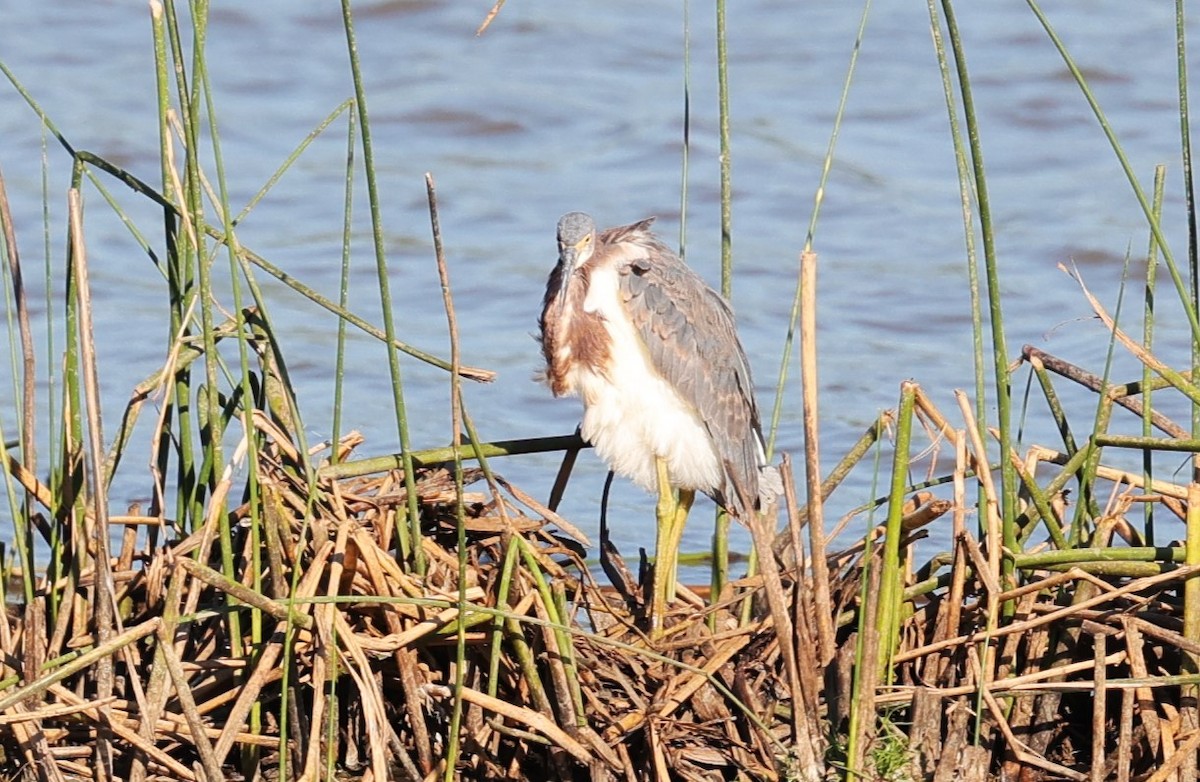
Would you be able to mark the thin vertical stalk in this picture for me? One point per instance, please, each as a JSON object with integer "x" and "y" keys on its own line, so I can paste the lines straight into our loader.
{"x": 48, "y": 274}
{"x": 794, "y": 317}
{"x": 102, "y": 592}
{"x": 1192, "y": 589}
{"x": 686, "y": 147}
{"x": 343, "y": 291}
{"x": 512, "y": 555}
{"x": 410, "y": 546}
{"x": 1181, "y": 289}
{"x": 20, "y": 512}
{"x": 178, "y": 284}
{"x": 966, "y": 195}
{"x": 156, "y": 686}
{"x": 812, "y": 453}
{"x": 72, "y": 434}
{"x": 818, "y": 200}
{"x": 1087, "y": 506}
{"x": 1189, "y": 189}
{"x": 720, "y": 544}
{"x": 182, "y": 241}
{"x": 726, "y": 167}
{"x": 460, "y": 636}
{"x": 1057, "y": 411}
{"x": 890, "y": 585}
{"x": 212, "y": 426}
{"x": 204, "y": 89}
{"x": 1160, "y": 175}
{"x": 866, "y": 646}
{"x": 1008, "y": 476}
{"x": 28, "y": 363}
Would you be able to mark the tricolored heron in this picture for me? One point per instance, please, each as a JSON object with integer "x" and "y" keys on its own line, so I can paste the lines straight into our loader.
{"x": 653, "y": 352}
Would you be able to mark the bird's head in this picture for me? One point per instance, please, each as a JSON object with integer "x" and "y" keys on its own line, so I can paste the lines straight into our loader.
{"x": 576, "y": 242}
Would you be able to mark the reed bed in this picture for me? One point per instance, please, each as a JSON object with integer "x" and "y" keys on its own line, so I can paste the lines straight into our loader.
{"x": 322, "y": 654}
{"x": 283, "y": 610}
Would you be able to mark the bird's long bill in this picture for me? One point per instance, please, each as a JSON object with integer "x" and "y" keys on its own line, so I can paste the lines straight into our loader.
{"x": 567, "y": 258}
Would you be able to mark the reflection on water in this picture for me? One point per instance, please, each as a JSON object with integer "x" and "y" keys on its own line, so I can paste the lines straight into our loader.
{"x": 569, "y": 106}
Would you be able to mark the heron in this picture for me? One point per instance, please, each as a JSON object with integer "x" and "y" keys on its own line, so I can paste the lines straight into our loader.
{"x": 668, "y": 399}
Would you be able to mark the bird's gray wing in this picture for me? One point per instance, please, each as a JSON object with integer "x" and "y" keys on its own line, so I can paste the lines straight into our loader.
{"x": 690, "y": 336}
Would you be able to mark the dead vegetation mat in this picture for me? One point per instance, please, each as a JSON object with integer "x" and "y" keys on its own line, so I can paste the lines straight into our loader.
{"x": 316, "y": 649}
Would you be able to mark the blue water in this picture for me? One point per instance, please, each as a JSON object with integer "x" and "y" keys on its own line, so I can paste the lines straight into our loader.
{"x": 571, "y": 106}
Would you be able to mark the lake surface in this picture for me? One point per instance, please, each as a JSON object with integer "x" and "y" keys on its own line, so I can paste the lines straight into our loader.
{"x": 572, "y": 106}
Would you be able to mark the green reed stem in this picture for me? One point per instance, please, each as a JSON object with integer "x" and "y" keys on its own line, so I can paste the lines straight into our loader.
{"x": 512, "y": 555}
{"x": 343, "y": 292}
{"x": 1041, "y": 509}
{"x": 255, "y": 521}
{"x": 181, "y": 241}
{"x": 410, "y": 546}
{"x": 212, "y": 430}
{"x": 1191, "y": 609}
{"x": 1008, "y": 478}
{"x": 1057, "y": 411}
{"x": 1160, "y": 176}
{"x": 474, "y": 450}
{"x": 1080, "y": 556}
{"x": 20, "y": 510}
{"x": 1148, "y": 443}
{"x": 460, "y": 516}
{"x": 890, "y": 582}
{"x": 1189, "y": 194}
{"x": 967, "y": 197}
{"x": 726, "y": 163}
{"x": 686, "y": 146}
{"x": 720, "y": 541}
{"x": 1087, "y": 508}
{"x": 868, "y": 599}
{"x": 818, "y": 200}
{"x": 1185, "y": 297}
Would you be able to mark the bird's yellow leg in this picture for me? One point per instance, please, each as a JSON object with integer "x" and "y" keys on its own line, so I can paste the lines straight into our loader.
{"x": 682, "y": 508}
{"x": 672, "y": 515}
{"x": 665, "y": 559}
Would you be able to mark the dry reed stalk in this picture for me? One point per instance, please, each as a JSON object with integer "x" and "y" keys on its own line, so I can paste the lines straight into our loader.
{"x": 1125, "y": 736}
{"x": 208, "y": 758}
{"x": 1020, "y": 750}
{"x": 1177, "y": 380}
{"x": 1157, "y": 486}
{"x": 812, "y": 460}
{"x": 1008, "y": 686}
{"x": 102, "y": 601}
{"x": 683, "y": 687}
{"x": 125, "y": 733}
{"x": 1099, "y": 704}
{"x": 866, "y": 685}
{"x": 1176, "y": 760}
{"x": 958, "y": 578}
{"x": 809, "y": 607}
{"x": 1137, "y": 585}
{"x": 1093, "y": 382}
{"x": 356, "y": 664}
{"x": 762, "y": 533}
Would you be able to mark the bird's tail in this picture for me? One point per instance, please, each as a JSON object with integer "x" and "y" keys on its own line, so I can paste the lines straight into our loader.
{"x": 740, "y": 500}
{"x": 770, "y": 485}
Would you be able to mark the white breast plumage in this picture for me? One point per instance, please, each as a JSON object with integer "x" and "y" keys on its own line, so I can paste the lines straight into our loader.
{"x": 631, "y": 413}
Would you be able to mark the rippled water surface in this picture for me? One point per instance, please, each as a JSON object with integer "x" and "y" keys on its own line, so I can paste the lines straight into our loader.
{"x": 564, "y": 106}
